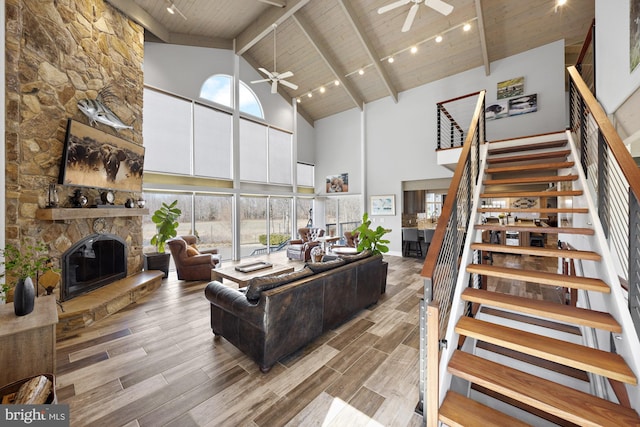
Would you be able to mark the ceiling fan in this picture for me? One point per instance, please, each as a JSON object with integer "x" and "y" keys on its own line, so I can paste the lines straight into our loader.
{"x": 273, "y": 76}
{"x": 437, "y": 5}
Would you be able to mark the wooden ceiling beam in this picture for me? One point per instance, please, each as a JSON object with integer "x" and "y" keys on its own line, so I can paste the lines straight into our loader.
{"x": 261, "y": 27}
{"x": 373, "y": 56}
{"x": 483, "y": 39}
{"x": 138, "y": 14}
{"x": 329, "y": 61}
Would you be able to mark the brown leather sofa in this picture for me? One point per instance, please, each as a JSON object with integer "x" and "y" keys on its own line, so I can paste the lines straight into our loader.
{"x": 275, "y": 316}
{"x": 191, "y": 262}
{"x": 300, "y": 249}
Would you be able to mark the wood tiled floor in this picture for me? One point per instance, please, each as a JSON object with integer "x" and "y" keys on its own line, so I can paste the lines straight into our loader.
{"x": 157, "y": 363}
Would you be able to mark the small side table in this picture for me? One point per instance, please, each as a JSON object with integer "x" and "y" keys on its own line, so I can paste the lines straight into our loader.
{"x": 327, "y": 239}
{"x": 28, "y": 343}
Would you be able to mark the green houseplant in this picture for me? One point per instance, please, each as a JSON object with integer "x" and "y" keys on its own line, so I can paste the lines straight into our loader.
{"x": 21, "y": 266}
{"x": 166, "y": 221}
{"x": 372, "y": 239}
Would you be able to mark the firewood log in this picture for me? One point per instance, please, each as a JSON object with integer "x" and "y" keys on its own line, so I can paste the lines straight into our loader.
{"x": 35, "y": 391}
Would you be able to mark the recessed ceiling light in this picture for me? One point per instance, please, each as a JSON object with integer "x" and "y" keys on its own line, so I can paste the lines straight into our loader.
{"x": 361, "y": 71}
{"x": 466, "y": 27}
{"x": 322, "y": 89}
{"x": 414, "y": 49}
{"x": 390, "y": 60}
{"x": 337, "y": 83}
{"x": 438, "y": 39}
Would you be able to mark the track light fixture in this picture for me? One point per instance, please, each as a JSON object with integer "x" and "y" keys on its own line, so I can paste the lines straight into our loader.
{"x": 173, "y": 9}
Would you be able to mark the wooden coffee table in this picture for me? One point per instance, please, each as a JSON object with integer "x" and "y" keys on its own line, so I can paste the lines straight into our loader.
{"x": 242, "y": 279}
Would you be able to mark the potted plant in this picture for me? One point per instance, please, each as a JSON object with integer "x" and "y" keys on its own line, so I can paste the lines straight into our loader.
{"x": 371, "y": 239}
{"x": 21, "y": 266}
{"x": 166, "y": 221}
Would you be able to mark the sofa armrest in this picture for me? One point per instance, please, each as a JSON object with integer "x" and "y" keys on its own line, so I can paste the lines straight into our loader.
{"x": 296, "y": 242}
{"x": 197, "y": 259}
{"x": 235, "y": 302}
{"x": 213, "y": 251}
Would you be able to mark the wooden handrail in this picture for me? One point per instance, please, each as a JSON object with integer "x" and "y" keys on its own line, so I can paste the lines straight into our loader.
{"x": 438, "y": 236}
{"x": 586, "y": 44}
{"x": 627, "y": 165}
{"x": 446, "y": 113}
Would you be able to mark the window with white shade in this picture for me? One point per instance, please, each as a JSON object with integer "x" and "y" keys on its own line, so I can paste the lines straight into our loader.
{"x": 212, "y": 142}
{"x": 253, "y": 151}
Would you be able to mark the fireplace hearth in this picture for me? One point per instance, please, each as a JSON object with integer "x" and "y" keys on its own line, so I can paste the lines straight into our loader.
{"x": 91, "y": 263}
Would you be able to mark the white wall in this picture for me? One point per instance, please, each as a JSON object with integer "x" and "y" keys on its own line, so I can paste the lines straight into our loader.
{"x": 400, "y": 138}
{"x": 615, "y": 85}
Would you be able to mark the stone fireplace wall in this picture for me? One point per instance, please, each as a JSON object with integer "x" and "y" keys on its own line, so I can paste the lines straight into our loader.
{"x": 57, "y": 53}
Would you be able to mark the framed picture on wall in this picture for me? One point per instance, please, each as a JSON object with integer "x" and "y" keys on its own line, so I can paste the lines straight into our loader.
{"x": 382, "y": 205}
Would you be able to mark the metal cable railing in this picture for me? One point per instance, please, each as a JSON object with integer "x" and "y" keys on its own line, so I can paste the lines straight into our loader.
{"x": 442, "y": 263}
{"x": 615, "y": 179}
{"x": 453, "y": 114}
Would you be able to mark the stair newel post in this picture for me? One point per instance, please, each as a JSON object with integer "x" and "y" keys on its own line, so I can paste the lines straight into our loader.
{"x": 634, "y": 260}
{"x": 603, "y": 185}
{"x": 427, "y": 298}
{"x": 439, "y": 119}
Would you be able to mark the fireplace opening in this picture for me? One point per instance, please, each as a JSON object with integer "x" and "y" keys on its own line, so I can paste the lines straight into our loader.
{"x": 91, "y": 263}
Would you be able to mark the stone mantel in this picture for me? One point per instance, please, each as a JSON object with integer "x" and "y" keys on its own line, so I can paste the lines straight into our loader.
{"x": 57, "y": 214}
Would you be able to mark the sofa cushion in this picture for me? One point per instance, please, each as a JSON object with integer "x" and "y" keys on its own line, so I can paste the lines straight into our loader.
{"x": 191, "y": 251}
{"x": 259, "y": 284}
{"x": 361, "y": 255}
{"x": 319, "y": 267}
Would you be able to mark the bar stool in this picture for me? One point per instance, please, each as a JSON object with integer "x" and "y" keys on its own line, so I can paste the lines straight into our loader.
{"x": 410, "y": 237}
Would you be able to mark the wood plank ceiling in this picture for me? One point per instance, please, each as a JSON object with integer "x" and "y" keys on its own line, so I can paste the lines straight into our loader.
{"x": 324, "y": 41}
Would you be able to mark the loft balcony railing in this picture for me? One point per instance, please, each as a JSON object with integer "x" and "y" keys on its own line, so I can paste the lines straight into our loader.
{"x": 453, "y": 115}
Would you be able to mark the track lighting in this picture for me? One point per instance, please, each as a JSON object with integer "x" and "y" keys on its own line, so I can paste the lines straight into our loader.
{"x": 173, "y": 9}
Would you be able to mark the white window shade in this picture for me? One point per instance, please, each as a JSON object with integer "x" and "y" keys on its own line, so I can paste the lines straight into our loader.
{"x": 212, "y": 143}
{"x": 305, "y": 175}
{"x": 166, "y": 133}
{"x": 253, "y": 151}
{"x": 279, "y": 157}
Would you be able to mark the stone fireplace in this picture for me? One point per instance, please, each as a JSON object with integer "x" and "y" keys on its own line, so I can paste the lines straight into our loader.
{"x": 93, "y": 262}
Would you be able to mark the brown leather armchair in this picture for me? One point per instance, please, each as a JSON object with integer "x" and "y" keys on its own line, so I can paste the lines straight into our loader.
{"x": 300, "y": 249}
{"x": 351, "y": 239}
{"x": 192, "y": 263}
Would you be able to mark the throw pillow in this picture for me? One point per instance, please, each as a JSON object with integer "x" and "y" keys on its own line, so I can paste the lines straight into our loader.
{"x": 259, "y": 284}
{"x": 319, "y": 267}
{"x": 191, "y": 251}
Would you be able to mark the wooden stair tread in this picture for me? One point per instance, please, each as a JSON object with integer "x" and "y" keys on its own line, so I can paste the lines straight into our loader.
{"x": 536, "y": 361}
{"x": 457, "y": 410}
{"x": 528, "y": 147}
{"x": 600, "y": 362}
{"x": 535, "y": 229}
{"x": 540, "y": 210}
{"x": 526, "y": 193}
{"x": 570, "y": 404}
{"x": 546, "y": 309}
{"x": 541, "y": 277}
{"x": 530, "y": 320}
{"x": 559, "y": 154}
{"x": 531, "y": 180}
{"x": 533, "y": 167}
{"x": 530, "y": 250}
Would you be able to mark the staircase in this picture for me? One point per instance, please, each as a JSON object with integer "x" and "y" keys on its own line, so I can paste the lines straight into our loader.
{"x": 514, "y": 365}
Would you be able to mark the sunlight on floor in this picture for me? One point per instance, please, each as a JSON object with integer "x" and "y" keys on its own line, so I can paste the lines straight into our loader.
{"x": 341, "y": 413}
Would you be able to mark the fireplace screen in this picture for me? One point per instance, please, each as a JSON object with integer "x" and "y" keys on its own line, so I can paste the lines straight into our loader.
{"x": 91, "y": 263}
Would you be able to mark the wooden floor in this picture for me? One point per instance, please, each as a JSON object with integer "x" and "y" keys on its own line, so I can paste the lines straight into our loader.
{"x": 156, "y": 363}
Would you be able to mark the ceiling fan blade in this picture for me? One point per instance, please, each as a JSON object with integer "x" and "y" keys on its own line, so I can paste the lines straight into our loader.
{"x": 410, "y": 17}
{"x": 392, "y": 6}
{"x": 285, "y": 75}
{"x": 260, "y": 81}
{"x": 265, "y": 71}
{"x": 289, "y": 85}
{"x": 439, "y": 6}
{"x": 274, "y": 86}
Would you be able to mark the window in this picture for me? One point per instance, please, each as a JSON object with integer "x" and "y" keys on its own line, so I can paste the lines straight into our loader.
{"x": 213, "y": 223}
{"x": 434, "y": 205}
{"x": 218, "y": 89}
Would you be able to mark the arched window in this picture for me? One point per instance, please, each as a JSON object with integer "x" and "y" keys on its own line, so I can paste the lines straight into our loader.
{"x": 217, "y": 88}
